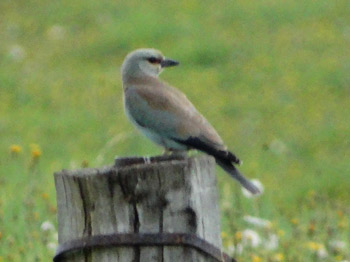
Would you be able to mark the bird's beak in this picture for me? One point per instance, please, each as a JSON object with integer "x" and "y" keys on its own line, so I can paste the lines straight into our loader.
{"x": 166, "y": 62}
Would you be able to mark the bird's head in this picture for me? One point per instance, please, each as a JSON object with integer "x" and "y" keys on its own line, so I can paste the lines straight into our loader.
{"x": 145, "y": 62}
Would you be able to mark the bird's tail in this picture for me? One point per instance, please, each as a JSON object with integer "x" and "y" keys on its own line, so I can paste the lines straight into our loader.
{"x": 234, "y": 172}
{"x": 223, "y": 158}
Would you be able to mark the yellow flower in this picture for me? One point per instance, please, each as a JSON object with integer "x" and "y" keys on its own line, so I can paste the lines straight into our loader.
{"x": 256, "y": 258}
{"x": 36, "y": 153}
{"x": 223, "y": 234}
{"x": 238, "y": 235}
{"x": 53, "y": 209}
{"x": 311, "y": 228}
{"x": 314, "y": 245}
{"x": 15, "y": 149}
{"x": 340, "y": 213}
{"x": 294, "y": 221}
{"x": 343, "y": 223}
{"x": 280, "y": 233}
{"x": 36, "y": 150}
{"x": 339, "y": 257}
{"x": 278, "y": 257}
{"x": 36, "y": 215}
{"x": 44, "y": 196}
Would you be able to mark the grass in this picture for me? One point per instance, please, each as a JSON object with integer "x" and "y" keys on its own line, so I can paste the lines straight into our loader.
{"x": 271, "y": 76}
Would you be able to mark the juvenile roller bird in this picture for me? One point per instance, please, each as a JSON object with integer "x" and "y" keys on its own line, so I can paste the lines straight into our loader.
{"x": 165, "y": 115}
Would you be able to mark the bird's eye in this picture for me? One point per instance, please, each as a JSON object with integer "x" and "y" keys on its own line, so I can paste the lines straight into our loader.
{"x": 153, "y": 60}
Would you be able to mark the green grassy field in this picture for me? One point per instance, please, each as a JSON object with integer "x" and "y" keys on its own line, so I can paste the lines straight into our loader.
{"x": 272, "y": 76}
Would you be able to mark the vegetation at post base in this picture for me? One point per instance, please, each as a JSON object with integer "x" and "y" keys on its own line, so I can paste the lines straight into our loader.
{"x": 271, "y": 76}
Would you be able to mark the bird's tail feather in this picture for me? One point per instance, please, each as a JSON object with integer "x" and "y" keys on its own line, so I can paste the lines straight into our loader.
{"x": 234, "y": 172}
{"x": 223, "y": 158}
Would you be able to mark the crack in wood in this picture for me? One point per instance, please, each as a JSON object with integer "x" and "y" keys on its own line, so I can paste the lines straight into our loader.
{"x": 136, "y": 218}
{"x": 161, "y": 205}
{"x": 136, "y": 230}
{"x": 87, "y": 216}
{"x": 65, "y": 190}
{"x": 110, "y": 186}
{"x": 121, "y": 184}
{"x": 192, "y": 218}
{"x": 137, "y": 254}
{"x": 161, "y": 213}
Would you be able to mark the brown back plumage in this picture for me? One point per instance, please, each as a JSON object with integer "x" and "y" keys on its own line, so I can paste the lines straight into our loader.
{"x": 163, "y": 97}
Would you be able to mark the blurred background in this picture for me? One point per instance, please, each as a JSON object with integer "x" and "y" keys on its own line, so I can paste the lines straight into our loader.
{"x": 271, "y": 76}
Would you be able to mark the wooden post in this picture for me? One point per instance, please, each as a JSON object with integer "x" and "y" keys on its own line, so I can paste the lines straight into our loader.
{"x": 159, "y": 194}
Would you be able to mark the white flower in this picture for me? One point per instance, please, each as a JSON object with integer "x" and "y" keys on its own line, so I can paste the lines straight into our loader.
{"x": 239, "y": 249}
{"x": 337, "y": 245}
{"x": 55, "y": 236}
{"x": 231, "y": 250}
{"x": 73, "y": 165}
{"x": 235, "y": 250}
{"x": 277, "y": 147}
{"x": 52, "y": 246}
{"x": 322, "y": 253}
{"x": 47, "y": 226}
{"x": 250, "y": 238}
{"x": 256, "y": 221}
{"x": 56, "y": 32}
{"x": 258, "y": 184}
{"x": 272, "y": 242}
{"x": 17, "y": 52}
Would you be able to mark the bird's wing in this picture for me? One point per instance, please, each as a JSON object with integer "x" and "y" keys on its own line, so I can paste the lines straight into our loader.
{"x": 167, "y": 111}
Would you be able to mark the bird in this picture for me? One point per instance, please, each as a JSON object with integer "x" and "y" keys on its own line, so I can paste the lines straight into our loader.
{"x": 167, "y": 117}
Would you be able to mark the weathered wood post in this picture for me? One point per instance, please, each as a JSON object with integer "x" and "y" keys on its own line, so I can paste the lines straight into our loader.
{"x": 129, "y": 212}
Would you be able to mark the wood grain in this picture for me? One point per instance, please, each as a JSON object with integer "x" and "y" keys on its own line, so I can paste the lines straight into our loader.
{"x": 161, "y": 195}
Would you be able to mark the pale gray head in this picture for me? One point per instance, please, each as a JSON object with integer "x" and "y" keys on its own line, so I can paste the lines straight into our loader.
{"x": 145, "y": 62}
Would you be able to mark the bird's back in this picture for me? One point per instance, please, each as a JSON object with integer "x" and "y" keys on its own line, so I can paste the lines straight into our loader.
{"x": 161, "y": 107}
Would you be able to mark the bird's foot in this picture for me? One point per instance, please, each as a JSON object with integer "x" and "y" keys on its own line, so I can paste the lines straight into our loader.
{"x": 179, "y": 153}
{"x": 166, "y": 152}
{"x": 172, "y": 152}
